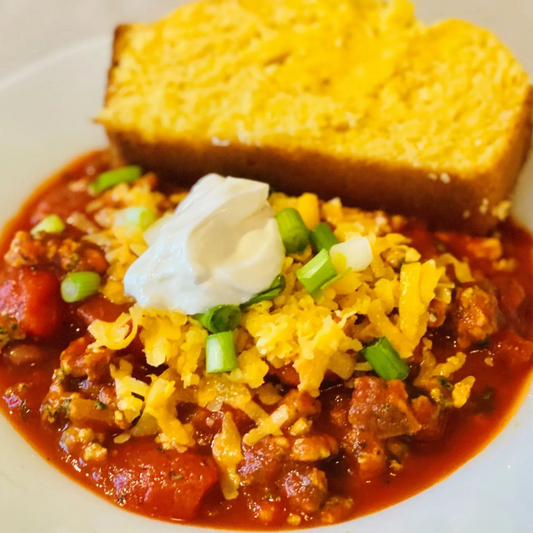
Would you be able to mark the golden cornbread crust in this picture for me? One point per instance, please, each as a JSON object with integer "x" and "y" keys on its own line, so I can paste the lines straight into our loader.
{"x": 466, "y": 191}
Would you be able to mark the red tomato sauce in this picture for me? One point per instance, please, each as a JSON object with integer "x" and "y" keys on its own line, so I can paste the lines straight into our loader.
{"x": 141, "y": 477}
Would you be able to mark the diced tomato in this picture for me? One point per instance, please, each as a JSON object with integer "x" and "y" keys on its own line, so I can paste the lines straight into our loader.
{"x": 100, "y": 308}
{"x": 166, "y": 484}
{"x": 33, "y": 297}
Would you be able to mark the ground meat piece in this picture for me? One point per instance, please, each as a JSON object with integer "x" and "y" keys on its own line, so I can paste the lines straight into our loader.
{"x": 300, "y": 405}
{"x": 437, "y": 313}
{"x": 85, "y": 412}
{"x": 369, "y": 452}
{"x": 263, "y": 462}
{"x": 287, "y": 375}
{"x": 313, "y": 448}
{"x": 335, "y": 510}
{"x": 381, "y": 407}
{"x": 305, "y": 487}
{"x": 52, "y": 250}
{"x": 208, "y": 423}
{"x": 80, "y": 361}
{"x": 511, "y": 293}
{"x": 84, "y": 443}
{"x": 475, "y": 316}
{"x": 432, "y": 418}
{"x": 510, "y": 348}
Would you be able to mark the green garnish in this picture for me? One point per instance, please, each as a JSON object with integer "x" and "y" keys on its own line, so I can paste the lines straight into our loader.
{"x": 292, "y": 229}
{"x": 110, "y": 178}
{"x": 322, "y": 237}
{"x": 317, "y": 272}
{"x": 140, "y": 217}
{"x": 220, "y": 318}
{"x": 277, "y": 287}
{"x": 79, "y": 285}
{"x": 220, "y": 353}
{"x": 385, "y": 361}
{"x": 49, "y": 224}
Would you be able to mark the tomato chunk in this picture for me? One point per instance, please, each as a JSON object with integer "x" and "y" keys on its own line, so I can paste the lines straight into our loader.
{"x": 100, "y": 308}
{"x": 33, "y": 297}
{"x": 166, "y": 484}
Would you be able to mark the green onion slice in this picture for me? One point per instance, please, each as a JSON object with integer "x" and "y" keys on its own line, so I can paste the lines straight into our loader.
{"x": 293, "y": 231}
{"x": 220, "y": 353}
{"x": 322, "y": 237}
{"x": 109, "y": 179}
{"x": 220, "y": 318}
{"x": 79, "y": 285}
{"x": 140, "y": 217}
{"x": 317, "y": 272}
{"x": 49, "y": 224}
{"x": 277, "y": 287}
{"x": 385, "y": 361}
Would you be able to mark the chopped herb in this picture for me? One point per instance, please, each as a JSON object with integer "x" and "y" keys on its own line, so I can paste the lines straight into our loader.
{"x": 65, "y": 407}
{"x": 385, "y": 360}
{"x": 293, "y": 231}
{"x": 14, "y": 327}
{"x": 277, "y": 287}
{"x": 100, "y": 405}
{"x": 445, "y": 383}
{"x": 220, "y": 318}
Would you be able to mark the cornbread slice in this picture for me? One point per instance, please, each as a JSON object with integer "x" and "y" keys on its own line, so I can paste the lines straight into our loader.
{"x": 349, "y": 98}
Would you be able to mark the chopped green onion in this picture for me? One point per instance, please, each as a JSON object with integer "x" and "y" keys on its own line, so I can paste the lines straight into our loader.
{"x": 49, "y": 224}
{"x": 292, "y": 229}
{"x": 385, "y": 361}
{"x": 220, "y": 353}
{"x": 322, "y": 237}
{"x": 79, "y": 285}
{"x": 140, "y": 217}
{"x": 319, "y": 271}
{"x": 277, "y": 287}
{"x": 220, "y": 318}
{"x": 109, "y": 179}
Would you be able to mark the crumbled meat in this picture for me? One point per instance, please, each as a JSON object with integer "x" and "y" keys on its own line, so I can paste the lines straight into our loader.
{"x": 437, "y": 313}
{"x": 313, "y": 448}
{"x": 263, "y": 462}
{"x": 52, "y": 250}
{"x": 300, "y": 405}
{"x": 512, "y": 349}
{"x": 80, "y": 361}
{"x": 305, "y": 488}
{"x": 476, "y": 315}
{"x": 381, "y": 407}
{"x": 431, "y": 417}
{"x": 369, "y": 452}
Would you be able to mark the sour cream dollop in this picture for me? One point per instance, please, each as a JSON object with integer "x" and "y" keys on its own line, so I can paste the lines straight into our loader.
{"x": 221, "y": 246}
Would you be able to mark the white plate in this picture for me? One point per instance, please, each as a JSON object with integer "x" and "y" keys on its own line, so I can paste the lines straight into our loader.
{"x": 45, "y": 119}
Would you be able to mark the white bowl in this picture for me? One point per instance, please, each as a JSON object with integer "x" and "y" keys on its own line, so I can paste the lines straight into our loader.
{"x": 45, "y": 120}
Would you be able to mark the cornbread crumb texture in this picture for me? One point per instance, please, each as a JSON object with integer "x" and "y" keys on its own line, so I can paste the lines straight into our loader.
{"x": 361, "y": 83}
